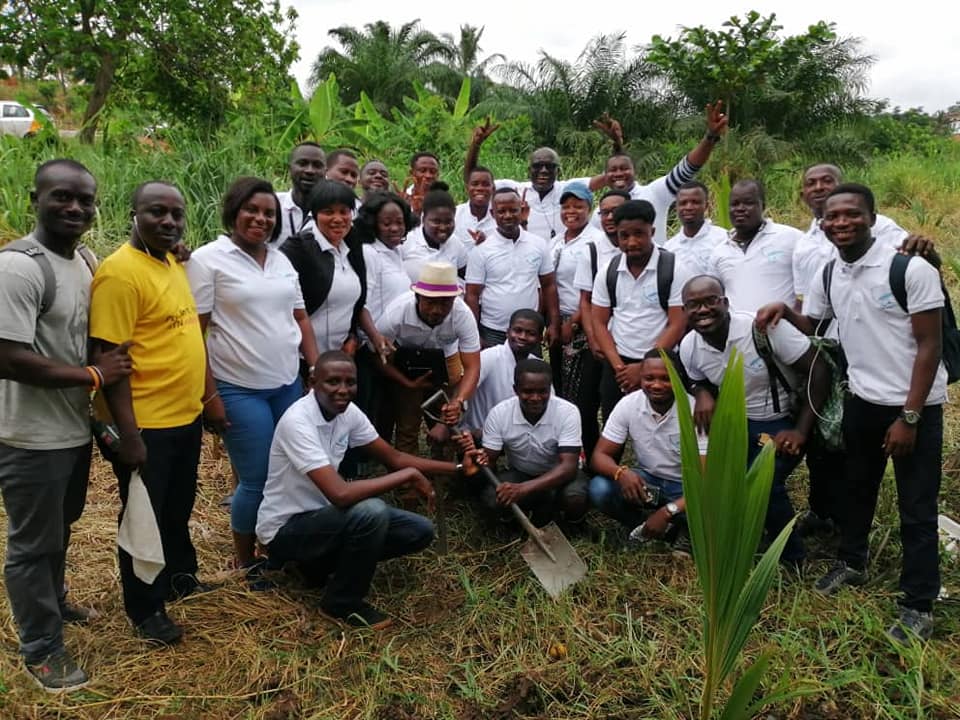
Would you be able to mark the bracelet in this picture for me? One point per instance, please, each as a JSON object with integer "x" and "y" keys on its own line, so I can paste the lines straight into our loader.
{"x": 713, "y": 137}
{"x": 216, "y": 393}
{"x": 619, "y": 472}
{"x": 96, "y": 377}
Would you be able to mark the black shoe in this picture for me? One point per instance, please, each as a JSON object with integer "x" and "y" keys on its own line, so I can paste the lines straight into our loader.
{"x": 363, "y": 614}
{"x": 184, "y": 585}
{"x": 58, "y": 673}
{"x": 258, "y": 576}
{"x": 161, "y": 629}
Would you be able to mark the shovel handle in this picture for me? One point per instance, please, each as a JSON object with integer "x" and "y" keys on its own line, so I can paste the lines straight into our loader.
{"x": 521, "y": 517}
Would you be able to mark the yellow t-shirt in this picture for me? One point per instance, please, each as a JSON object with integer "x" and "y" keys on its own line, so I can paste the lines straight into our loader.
{"x": 137, "y": 297}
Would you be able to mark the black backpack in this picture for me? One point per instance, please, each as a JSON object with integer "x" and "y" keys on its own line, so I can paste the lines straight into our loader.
{"x": 666, "y": 262}
{"x": 898, "y": 287}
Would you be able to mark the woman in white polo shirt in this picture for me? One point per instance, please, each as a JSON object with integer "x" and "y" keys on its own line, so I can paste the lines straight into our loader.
{"x": 436, "y": 239}
{"x": 250, "y": 305}
{"x": 382, "y": 223}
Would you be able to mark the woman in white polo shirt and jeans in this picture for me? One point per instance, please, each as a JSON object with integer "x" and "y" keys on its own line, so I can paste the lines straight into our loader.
{"x": 250, "y": 305}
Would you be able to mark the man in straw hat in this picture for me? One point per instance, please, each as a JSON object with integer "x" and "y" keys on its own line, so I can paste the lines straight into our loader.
{"x": 438, "y": 345}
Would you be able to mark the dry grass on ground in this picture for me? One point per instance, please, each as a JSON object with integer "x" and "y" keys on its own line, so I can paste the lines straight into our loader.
{"x": 473, "y": 638}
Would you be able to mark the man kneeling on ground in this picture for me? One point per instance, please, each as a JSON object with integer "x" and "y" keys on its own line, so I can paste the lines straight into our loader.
{"x": 540, "y": 435}
{"x": 651, "y": 492}
{"x": 311, "y": 515}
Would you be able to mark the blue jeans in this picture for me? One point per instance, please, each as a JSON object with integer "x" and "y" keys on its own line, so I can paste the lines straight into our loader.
{"x": 253, "y": 415}
{"x": 780, "y": 509}
{"x": 350, "y": 541}
{"x": 606, "y": 496}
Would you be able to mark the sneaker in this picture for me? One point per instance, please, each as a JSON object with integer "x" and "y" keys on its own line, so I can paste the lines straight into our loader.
{"x": 58, "y": 673}
{"x": 809, "y": 523}
{"x": 361, "y": 615}
{"x": 840, "y": 574}
{"x": 226, "y": 501}
{"x": 258, "y": 576}
{"x": 681, "y": 546}
{"x": 160, "y": 629}
{"x": 913, "y": 625}
{"x": 75, "y": 615}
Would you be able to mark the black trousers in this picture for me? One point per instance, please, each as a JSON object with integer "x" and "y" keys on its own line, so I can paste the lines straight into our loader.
{"x": 918, "y": 485}
{"x": 826, "y": 472}
{"x": 170, "y": 476}
{"x": 610, "y": 393}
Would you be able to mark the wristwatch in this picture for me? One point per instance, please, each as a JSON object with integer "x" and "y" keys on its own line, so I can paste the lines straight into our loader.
{"x": 672, "y": 508}
{"x": 910, "y": 417}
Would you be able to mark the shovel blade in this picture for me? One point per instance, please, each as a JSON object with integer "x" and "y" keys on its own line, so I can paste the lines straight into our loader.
{"x": 554, "y": 576}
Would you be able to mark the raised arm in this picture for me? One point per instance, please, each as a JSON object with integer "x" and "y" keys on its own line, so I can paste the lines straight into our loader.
{"x": 480, "y": 134}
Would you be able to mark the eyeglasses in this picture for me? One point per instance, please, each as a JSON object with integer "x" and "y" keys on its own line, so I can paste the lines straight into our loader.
{"x": 543, "y": 166}
{"x": 710, "y": 301}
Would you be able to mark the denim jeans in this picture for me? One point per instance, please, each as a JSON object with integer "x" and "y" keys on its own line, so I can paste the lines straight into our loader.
{"x": 352, "y": 541}
{"x": 44, "y": 491}
{"x": 607, "y": 497}
{"x": 253, "y": 415}
{"x": 170, "y": 477}
{"x": 780, "y": 509}
{"x": 918, "y": 486}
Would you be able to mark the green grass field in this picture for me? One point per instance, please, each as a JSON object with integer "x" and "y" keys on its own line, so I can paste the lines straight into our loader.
{"x": 475, "y": 637}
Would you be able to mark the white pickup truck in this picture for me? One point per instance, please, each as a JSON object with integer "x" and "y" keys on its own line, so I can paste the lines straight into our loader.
{"x": 15, "y": 119}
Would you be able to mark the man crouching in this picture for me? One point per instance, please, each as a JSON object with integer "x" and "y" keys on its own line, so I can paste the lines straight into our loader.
{"x": 311, "y": 515}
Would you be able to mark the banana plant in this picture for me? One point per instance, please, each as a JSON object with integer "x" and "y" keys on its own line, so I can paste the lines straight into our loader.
{"x": 325, "y": 120}
{"x": 726, "y": 507}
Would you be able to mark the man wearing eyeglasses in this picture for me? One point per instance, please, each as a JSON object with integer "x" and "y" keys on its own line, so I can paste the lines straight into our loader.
{"x": 705, "y": 352}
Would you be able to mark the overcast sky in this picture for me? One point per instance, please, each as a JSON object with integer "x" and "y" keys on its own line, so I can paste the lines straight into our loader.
{"x": 916, "y": 44}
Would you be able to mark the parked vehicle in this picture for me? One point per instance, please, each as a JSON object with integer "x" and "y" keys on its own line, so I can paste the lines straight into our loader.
{"x": 15, "y": 119}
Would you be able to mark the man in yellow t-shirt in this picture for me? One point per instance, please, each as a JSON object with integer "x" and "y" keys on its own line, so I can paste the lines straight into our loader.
{"x": 141, "y": 293}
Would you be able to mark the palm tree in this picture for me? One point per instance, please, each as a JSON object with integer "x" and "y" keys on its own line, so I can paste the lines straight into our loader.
{"x": 463, "y": 59}
{"x": 564, "y": 98}
{"x": 382, "y": 61}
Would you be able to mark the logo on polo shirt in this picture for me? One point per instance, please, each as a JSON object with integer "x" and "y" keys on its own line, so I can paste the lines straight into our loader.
{"x": 674, "y": 439}
{"x": 756, "y": 364}
{"x": 533, "y": 259}
{"x": 883, "y": 296}
{"x": 650, "y": 294}
{"x": 774, "y": 255}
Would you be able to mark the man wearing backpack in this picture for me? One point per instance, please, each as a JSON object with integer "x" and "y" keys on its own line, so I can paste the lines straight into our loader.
{"x": 640, "y": 291}
{"x": 45, "y": 386}
{"x": 774, "y": 363}
{"x": 889, "y": 309}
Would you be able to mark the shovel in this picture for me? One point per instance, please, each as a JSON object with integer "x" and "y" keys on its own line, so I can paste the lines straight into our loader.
{"x": 548, "y": 553}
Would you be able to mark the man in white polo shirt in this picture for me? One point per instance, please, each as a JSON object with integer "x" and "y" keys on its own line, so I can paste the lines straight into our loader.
{"x": 705, "y": 352}
{"x": 646, "y": 310}
{"x": 651, "y": 492}
{"x": 698, "y": 236}
{"x": 540, "y": 435}
{"x": 755, "y": 263}
{"x": 307, "y": 165}
{"x": 430, "y": 321}
{"x": 503, "y": 274}
{"x": 898, "y": 385}
{"x": 497, "y": 364}
{"x": 312, "y": 516}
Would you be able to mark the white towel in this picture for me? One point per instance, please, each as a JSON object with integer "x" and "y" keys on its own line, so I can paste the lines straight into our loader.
{"x": 139, "y": 534}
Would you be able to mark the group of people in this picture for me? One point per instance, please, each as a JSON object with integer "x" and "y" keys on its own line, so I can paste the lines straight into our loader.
{"x": 311, "y": 332}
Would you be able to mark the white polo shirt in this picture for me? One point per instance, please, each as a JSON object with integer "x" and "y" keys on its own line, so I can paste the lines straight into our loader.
{"x": 387, "y": 278}
{"x": 457, "y": 333}
{"x": 416, "y": 253}
{"x": 655, "y": 437}
{"x": 331, "y": 321}
{"x": 704, "y": 362}
{"x": 763, "y": 273}
{"x": 658, "y": 194}
{"x": 253, "y": 339}
{"x": 305, "y": 441}
{"x": 876, "y": 335}
{"x": 533, "y": 448}
{"x": 567, "y": 258}
{"x": 495, "y": 385}
{"x": 694, "y": 252}
{"x": 292, "y": 218}
{"x": 584, "y": 278}
{"x": 465, "y": 220}
{"x": 510, "y": 274}
{"x": 814, "y": 250}
{"x": 637, "y": 320}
